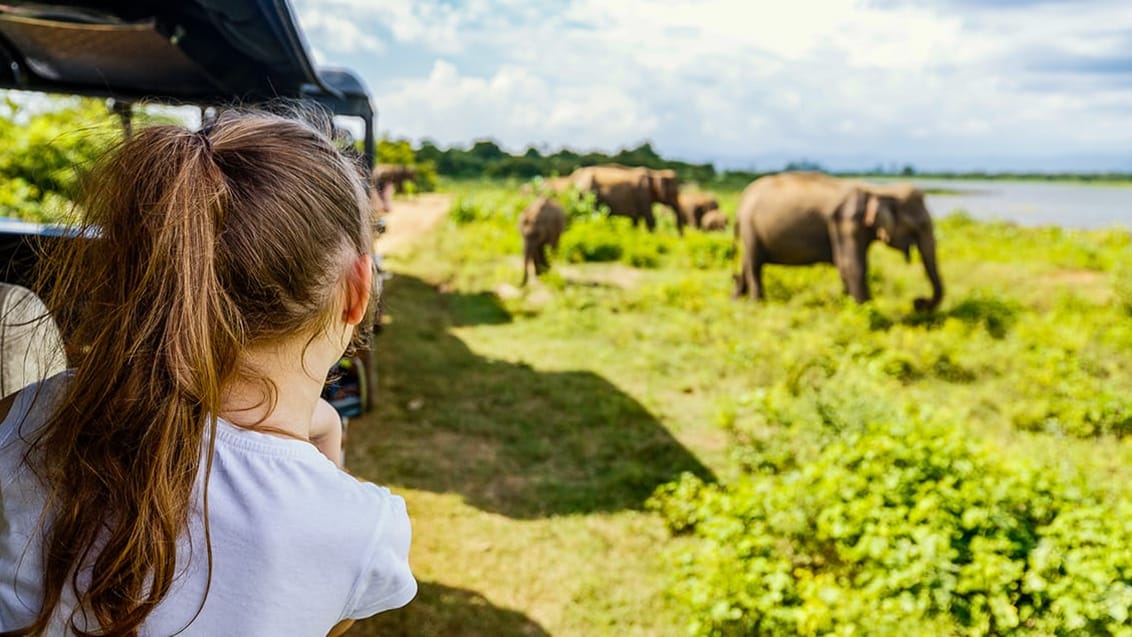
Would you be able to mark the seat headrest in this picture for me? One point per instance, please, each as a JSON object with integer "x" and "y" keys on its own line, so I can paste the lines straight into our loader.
{"x": 31, "y": 347}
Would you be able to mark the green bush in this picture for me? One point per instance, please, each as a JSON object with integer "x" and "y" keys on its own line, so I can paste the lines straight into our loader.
{"x": 45, "y": 152}
{"x": 1122, "y": 284}
{"x": 399, "y": 151}
{"x": 594, "y": 240}
{"x": 903, "y": 528}
{"x": 993, "y": 313}
{"x": 498, "y": 208}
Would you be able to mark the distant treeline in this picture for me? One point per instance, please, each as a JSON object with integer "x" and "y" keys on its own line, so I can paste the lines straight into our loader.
{"x": 485, "y": 158}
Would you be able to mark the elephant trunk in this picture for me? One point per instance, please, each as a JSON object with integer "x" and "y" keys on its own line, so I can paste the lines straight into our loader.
{"x": 926, "y": 245}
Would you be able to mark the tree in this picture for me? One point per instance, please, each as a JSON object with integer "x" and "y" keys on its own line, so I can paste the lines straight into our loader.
{"x": 486, "y": 149}
{"x": 398, "y": 151}
{"x": 44, "y": 153}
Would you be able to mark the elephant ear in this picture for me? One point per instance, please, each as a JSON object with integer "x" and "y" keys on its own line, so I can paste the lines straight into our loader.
{"x": 879, "y": 215}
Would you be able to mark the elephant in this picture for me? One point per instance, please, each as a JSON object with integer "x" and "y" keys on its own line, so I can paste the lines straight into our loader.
{"x": 694, "y": 205}
{"x": 665, "y": 186}
{"x": 387, "y": 179}
{"x": 713, "y": 220}
{"x": 799, "y": 218}
{"x": 541, "y": 224}
{"x": 631, "y": 191}
{"x": 545, "y": 185}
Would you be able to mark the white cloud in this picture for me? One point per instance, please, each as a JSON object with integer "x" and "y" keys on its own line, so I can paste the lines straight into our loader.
{"x": 336, "y": 33}
{"x": 738, "y": 78}
{"x": 523, "y": 108}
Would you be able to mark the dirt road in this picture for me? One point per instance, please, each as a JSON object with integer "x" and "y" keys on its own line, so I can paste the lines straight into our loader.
{"x": 411, "y": 219}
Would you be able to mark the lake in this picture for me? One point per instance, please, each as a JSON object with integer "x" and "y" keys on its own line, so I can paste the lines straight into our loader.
{"x": 1033, "y": 203}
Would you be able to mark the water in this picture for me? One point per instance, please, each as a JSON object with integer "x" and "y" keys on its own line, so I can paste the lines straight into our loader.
{"x": 1033, "y": 203}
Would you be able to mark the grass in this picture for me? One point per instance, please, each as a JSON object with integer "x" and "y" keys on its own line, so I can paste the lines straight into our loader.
{"x": 526, "y": 428}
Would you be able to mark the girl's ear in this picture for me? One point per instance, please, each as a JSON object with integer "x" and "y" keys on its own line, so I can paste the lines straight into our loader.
{"x": 358, "y": 287}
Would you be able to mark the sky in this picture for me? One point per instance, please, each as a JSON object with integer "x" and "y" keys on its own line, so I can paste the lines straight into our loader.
{"x": 1027, "y": 85}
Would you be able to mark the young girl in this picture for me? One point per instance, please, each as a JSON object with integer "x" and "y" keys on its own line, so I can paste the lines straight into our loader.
{"x": 172, "y": 481}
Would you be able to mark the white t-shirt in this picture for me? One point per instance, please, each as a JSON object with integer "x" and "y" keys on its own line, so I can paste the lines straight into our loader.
{"x": 298, "y": 545}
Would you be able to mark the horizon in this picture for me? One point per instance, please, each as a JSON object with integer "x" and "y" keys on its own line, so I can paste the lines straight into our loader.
{"x": 959, "y": 85}
{"x": 766, "y": 164}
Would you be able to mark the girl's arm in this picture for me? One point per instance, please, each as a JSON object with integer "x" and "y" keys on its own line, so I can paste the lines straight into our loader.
{"x": 326, "y": 431}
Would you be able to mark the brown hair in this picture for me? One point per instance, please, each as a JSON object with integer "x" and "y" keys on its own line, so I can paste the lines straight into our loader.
{"x": 200, "y": 244}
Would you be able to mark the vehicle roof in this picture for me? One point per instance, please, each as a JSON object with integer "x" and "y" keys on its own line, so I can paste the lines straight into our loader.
{"x": 185, "y": 51}
{"x": 201, "y": 52}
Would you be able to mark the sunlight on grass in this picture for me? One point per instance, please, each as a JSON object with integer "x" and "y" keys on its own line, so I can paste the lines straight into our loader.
{"x": 530, "y": 427}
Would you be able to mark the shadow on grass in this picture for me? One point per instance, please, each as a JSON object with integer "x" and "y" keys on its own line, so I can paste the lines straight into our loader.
{"x": 510, "y": 439}
{"x": 481, "y": 308}
{"x": 440, "y": 610}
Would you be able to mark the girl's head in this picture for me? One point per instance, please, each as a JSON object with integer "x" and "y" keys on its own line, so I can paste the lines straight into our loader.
{"x": 200, "y": 247}
{"x": 245, "y": 229}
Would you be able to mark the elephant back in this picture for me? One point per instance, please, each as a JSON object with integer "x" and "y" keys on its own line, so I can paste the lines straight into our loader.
{"x": 544, "y": 217}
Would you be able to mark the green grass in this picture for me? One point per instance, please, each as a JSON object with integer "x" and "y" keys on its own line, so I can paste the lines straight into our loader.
{"x": 527, "y": 428}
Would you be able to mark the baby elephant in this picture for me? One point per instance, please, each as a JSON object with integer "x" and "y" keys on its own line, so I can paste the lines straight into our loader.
{"x": 541, "y": 224}
{"x": 696, "y": 207}
{"x": 713, "y": 220}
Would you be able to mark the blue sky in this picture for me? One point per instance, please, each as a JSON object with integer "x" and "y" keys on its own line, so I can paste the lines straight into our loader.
{"x": 941, "y": 84}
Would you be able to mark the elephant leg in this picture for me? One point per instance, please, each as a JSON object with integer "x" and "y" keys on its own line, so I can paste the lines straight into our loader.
{"x": 854, "y": 268}
{"x": 650, "y": 220}
{"x": 757, "y": 292}
{"x": 750, "y": 278}
{"x": 528, "y": 260}
{"x": 541, "y": 263}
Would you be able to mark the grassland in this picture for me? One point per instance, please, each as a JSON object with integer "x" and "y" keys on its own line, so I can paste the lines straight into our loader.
{"x": 527, "y": 428}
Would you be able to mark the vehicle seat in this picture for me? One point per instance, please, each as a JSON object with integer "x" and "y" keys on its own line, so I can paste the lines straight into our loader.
{"x": 31, "y": 347}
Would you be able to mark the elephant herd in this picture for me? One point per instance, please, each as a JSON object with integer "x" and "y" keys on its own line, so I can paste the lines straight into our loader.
{"x": 791, "y": 218}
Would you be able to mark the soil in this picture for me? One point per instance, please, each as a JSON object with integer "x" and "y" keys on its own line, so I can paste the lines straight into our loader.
{"x": 411, "y": 219}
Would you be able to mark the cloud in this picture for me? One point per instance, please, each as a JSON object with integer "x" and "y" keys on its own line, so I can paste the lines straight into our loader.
{"x": 523, "y": 108}
{"x": 707, "y": 79}
{"x": 337, "y": 34}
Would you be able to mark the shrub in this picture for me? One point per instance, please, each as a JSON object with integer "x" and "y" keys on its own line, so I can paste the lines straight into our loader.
{"x": 899, "y": 528}
{"x": 45, "y": 152}
{"x": 496, "y": 208}
{"x": 594, "y": 240}
{"x": 993, "y": 313}
{"x": 1122, "y": 284}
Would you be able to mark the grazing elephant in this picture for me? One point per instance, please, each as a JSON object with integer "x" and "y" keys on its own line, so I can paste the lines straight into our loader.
{"x": 388, "y": 179}
{"x": 630, "y": 191}
{"x": 541, "y": 224}
{"x": 694, "y": 205}
{"x": 713, "y": 220}
{"x": 802, "y": 218}
{"x": 666, "y": 190}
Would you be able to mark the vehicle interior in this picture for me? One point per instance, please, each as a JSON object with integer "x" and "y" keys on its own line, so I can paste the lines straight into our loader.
{"x": 203, "y": 53}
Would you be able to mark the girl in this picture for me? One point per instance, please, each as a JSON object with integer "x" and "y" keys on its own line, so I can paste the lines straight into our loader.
{"x": 172, "y": 481}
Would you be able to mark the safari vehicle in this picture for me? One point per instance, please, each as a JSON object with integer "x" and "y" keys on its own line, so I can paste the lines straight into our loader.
{"x": 204, "y": 53}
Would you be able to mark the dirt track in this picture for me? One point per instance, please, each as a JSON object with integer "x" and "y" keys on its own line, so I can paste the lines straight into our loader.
{"x": 409, "y": 220}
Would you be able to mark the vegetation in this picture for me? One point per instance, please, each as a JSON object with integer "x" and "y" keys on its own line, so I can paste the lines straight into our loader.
{"x": 621, "y": 449}
{"x": 44, "y": 152}
{"x": 485, "y": 158}
{"x": 400, "y": 152}
{"x": 803, "y": 466}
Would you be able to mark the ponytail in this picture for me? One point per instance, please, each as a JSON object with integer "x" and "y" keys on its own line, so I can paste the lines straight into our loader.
{"x": 158, "y": 336}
